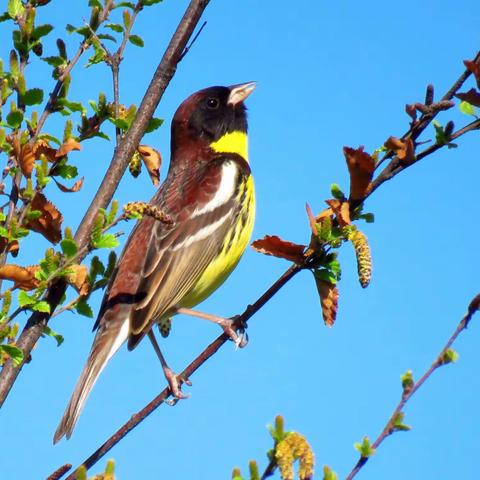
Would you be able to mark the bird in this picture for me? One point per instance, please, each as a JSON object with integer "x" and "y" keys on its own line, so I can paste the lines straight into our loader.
{"x": 166, "y": 269}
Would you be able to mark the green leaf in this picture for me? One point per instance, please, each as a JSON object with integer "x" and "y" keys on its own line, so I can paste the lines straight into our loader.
{"x": 365, "y": 448}
{"x": 116, "y": 27}
{"x": 4, "y": 232}
{"x": 125, "y": 4}
{"x": 3, "y": 216}
{"x": 466, "y": 108}
{"x": 34, "y": 96}
{"x": 149, "y": 3}
{"x": 34, "y": 214}
{"x": 15, "y": 8}
{"x": 14, "y": 353}
{"x": 154, "y": 124}
{"x": 73, "y": 106}
{"x": 113, "y": 212}
{"x": 107, "y": 240}
{"x": 41, "y": 306}
{"x": 59, "y": 338}
{"x": 69, "y": 247}
{"x": 449, "y": 356}
{"x": 407, "y": 382}
{"x": 66, "y": 171}
{"x": 83, "y": 308}
{"x": 398, "y": 425}
{"x": 106, "y": 36}
{"x": 54, "y": 61}
{"x": 337, "y": 192}
{"x": 24, "y": 300}
{"x": 14, "y": 119}
{"x": 329, "y": 474}
{"x": 41, "y": 31}
{"x": 368, "y": 217}
{"x": 136, "y": 40}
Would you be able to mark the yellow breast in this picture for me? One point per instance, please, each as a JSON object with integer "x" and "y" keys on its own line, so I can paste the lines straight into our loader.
{"x": 233, "y": 247}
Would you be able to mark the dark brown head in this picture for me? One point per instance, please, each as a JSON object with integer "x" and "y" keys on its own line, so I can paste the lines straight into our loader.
{"x": 207, "y": 115}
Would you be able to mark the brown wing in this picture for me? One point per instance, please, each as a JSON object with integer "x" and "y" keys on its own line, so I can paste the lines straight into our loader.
{"x": 160, "y": 265}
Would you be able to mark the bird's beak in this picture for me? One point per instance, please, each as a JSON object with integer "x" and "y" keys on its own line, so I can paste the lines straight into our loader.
{"x": 238, "y": 93}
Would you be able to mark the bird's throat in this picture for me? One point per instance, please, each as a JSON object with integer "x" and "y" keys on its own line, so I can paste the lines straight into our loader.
{"x": 232, "y": 142}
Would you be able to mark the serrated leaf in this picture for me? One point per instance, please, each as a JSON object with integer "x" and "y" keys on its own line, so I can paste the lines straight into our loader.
{"x": 34, "y": 214}
{"x": 66, "y": 171}
{"x": 154, "y": 124}
{"x": 14, "y": 119}
{"x": 106, "y": 36}
{"x": 466, "y": 108}
{"x": 365, "y": 448}
{"x": 136, "y": 40}
{"x": 83, "y": 308}
{"x": 25, "y": 300}
{"x": 59, "y": 338}
{"x": 41, "y": 31}
{"x": 54, "y": 61}
{"x": 34, "y": 96}
{"x": 14, "y": 353}
{"x": 337, "y": 192}
{"x": 116, "y": 27}
{"x": 41, "y": 306}
{"x": 15, "y": 8}
{"x": 107, "y": 240}
{"x": 69, "y": 247}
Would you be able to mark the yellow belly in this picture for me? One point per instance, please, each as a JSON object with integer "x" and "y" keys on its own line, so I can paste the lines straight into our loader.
{"x": 234, "y": 246}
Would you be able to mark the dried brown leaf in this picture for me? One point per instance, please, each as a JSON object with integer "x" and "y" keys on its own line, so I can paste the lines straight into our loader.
{"x": 328, "y": 300}
{"x": 79, "y": 279}
{"x": 361, "y": 166}
{"x": 26, "y": 160}
{"x": 23, "y": 277}
{"x": 404, "y": 148}
{"x": 42, "y": 147}
{"x": 341, "y": 211}
{"x": 74, "y": 188}
{"x": 474, "y": 67}
{"x": 67, "y": 146}
{"x": 411, "y": 111}
{"x": 152, "y": 160}
{"x": 311, "y": 219}
{"x": 472, "y": 97}
{"x": 275, "y": 246}
{"x": 50, "y": 222}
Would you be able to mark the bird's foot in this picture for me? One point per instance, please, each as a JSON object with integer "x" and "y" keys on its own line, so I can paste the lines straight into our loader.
{"x": 175, "y": 383}
{"x": 235, "y": 328}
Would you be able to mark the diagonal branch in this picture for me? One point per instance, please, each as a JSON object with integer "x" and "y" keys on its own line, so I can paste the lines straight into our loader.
{"x": 163, "y": 74}
{"x": 407, "y": 394}
{"x": 191, "y": 368}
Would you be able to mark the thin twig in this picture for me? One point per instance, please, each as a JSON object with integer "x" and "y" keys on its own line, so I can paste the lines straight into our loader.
{"x": 388, "y": 173}
{"x": 194, "y": 39}
{"x": 424, "y": 121}
{"x": 52, "y": 99}
{"x": 190, "y": 369}
{"x": 123, "y": 153}
{"x": 390, "y": 425}
{"x": 114, "y": 60}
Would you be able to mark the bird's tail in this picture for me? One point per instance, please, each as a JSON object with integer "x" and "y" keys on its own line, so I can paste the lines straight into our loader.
{"x": 110, "y": 336}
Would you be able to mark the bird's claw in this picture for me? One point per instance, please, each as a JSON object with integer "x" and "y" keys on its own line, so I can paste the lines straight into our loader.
{"x": 175, "y": 382}
{"x": 237, "y": 334}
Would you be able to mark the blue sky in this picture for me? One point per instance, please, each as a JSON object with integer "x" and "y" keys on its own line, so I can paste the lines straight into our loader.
{"x": 329, "y": 74}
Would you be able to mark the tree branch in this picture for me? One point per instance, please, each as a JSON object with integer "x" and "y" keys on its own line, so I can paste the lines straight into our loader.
{"x": 163, "y": 74}
{"x": 208, "y": 352}
{"x": 408, "y": 393}
{"x": 309, "y": 262}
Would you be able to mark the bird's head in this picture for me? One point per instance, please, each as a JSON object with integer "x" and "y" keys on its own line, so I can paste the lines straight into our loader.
{"x": 213, "y": 118}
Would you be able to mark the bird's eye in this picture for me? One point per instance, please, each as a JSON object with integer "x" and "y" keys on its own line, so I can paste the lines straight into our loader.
{"x": 212, "y": 103}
